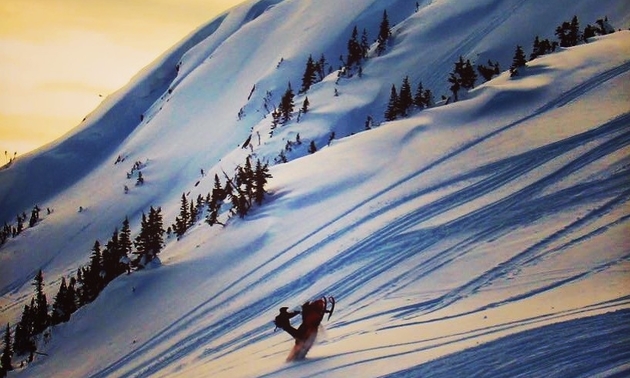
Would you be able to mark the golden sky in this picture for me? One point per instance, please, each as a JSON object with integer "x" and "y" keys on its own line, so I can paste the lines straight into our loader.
{"x": 58, "y": 57}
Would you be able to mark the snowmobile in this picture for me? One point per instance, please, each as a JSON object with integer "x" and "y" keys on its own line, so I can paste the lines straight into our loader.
{"x": 312, "y": 315}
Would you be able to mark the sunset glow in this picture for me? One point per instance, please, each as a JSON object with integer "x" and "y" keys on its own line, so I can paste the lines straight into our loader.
{"x": 60, "y": 58}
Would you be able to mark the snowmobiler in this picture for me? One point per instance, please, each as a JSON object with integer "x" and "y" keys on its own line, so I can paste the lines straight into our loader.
{"x": 283, "y": 321}
{"x": 312, "y": 315}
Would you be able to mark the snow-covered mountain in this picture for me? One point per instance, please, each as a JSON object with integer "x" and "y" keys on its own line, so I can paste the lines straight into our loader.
{"x": 504, "y": 214}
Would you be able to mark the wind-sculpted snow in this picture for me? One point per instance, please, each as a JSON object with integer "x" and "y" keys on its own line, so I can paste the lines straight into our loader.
{"x": 565, "y": 349}
{"x": 455, "y": 240}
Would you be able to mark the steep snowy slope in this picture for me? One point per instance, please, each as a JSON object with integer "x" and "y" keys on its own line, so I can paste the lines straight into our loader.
{"x": 460, "y": 224}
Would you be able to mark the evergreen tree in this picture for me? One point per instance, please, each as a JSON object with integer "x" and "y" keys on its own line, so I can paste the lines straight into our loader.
{"x": 24, "y": 332}
{"x": 140, "y": 179}
{"x": 590, "y": 31}
{"x": 574, "y": 31}
{"x": 391, "y": 112}
{"x": 286, "y": 105}
{"x": 64, "y": 304}
{"x": 368, "y": 122}
{"x": 428, "y": 98}
{"x": 604, "y": 27}
{"x": 355, "y": 51}
{"x": 199, "y": 205}
{"x": 92, "y": 277}
{"x": 281, "y": 158}
{"x": 183, "y": 219}
{"x": 384, "y": 32}
{"x": 81, "y": 292}
{"x": 568, "y": 33}
{"x": 40, "y": 312}
{"x": 237, "y": 193}
{"x": 321, "y": 67}
{"x": 156, "y": 228}
{"x": 218, "y": 193}
{"x": 150, "y": 240}
{"x": 20, "y": 225}
{"x": 193, "y": 214}
{"x": 142, "y": 243}
{"x": 59, "y": 314}
{"x": 70, "y": 300}
{"x": 309, "y": 77}
{"x": 405, "y": 98}
{"x": 239, "y": 205}
{"x": 455, "y": 85}
{"x": 418, "y": 98}
{"x": 7, "y": 353}
{"x": 125, "y": 244}
{"x": 34, "y": 217}
{"x": 468, "y": 76}
{"x": 365, "y": 44}
{"x": 541, "y": 47}
{"x": 331, "y": 137}
{"x": 312, "y": 148}
{"x": 536, "y": 50}
{"x": 109, "y": 258}
{"x": 216, "y": 200}
{"x": 462, "y": 77}
{"x": 305, "y": 105}
{"x": 423, "y": 98}
{"x": 245, "y": 180}
{"x": 518, "y": 61}
{"x": 487, "y": 72}
{"x": 261, "y": 174}
{"x": 213, "y": 215}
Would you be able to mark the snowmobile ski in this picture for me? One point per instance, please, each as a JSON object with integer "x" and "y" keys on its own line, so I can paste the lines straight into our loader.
{"x": 332, "y": 307}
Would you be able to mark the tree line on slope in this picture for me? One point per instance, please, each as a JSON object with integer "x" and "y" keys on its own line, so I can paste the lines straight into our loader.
{"x": 464, "y": 75}
{"x": 13, "y": 230}
{"x": 240, "y": 193}
{"x": 402, "y": 103}
{"x": 113, "y": 259}
{"x": 316, "y": 70}
{"x": 106, "y": 263}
